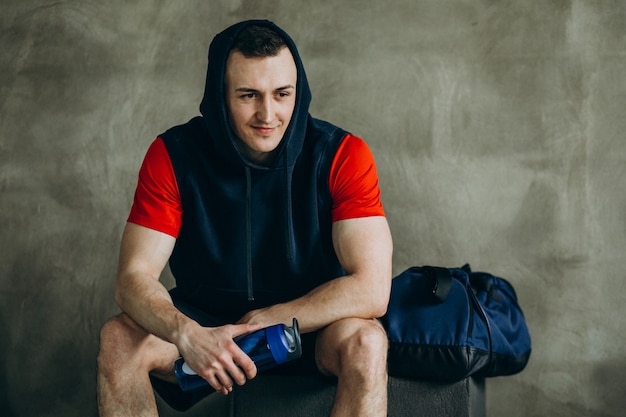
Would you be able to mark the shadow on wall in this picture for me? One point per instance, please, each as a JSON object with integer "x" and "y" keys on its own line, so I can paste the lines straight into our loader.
{"x": 605, "y": 382}
{"x": 5, "y": 407}
{"x": 47, "y": 364}
{"x": 603, "y": 395}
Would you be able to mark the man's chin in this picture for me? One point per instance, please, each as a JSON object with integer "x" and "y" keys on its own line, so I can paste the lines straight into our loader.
{"x": 260, "y": 153}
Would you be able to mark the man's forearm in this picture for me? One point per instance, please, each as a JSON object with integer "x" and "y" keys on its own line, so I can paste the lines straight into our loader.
{"x": 149, "y": 304}
{"x": 337, "y": 299}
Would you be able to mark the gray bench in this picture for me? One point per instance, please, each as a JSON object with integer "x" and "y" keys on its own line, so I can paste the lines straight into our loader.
{"x": 310, "y": 396}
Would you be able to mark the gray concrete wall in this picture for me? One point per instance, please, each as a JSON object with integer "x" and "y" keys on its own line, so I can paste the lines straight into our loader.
{"x": 498, "y": 128}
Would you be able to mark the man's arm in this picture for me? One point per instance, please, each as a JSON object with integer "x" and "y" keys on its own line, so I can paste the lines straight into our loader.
{"x": 364, "y": 249}
{"x": 209, "y": 351}
{"x": 143, "y": 255}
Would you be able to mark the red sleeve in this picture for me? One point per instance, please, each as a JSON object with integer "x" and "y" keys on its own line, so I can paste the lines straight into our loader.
{"x": 353, "y": 181}
{"x": 157, "y": 202}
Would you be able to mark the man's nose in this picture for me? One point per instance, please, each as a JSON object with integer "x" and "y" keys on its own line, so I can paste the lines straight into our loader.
{"x": 265, "y": 110}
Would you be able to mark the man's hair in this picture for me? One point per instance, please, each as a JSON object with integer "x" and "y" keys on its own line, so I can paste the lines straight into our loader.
{"x": 256, "y": 41}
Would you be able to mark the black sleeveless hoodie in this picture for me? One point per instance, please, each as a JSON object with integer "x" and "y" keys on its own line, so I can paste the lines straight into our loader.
{"x": 251, "y": 236}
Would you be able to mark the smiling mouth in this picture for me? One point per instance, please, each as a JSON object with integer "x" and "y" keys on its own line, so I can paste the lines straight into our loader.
{"x": 265, "y": 130}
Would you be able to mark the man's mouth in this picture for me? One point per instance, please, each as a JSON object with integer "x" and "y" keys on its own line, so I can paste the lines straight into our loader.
{"x": 265, "y": 130}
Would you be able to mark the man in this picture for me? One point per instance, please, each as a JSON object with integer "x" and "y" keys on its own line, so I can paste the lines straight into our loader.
{"x": 264, "y": 214}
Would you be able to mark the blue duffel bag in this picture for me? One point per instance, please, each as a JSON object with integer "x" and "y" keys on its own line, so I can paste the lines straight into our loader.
{"x": 446, "y": 324}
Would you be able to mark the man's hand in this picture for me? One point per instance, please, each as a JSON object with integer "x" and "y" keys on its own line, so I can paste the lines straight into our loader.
{"x": 213, "y": 355}
{"x": 269, "y": 316}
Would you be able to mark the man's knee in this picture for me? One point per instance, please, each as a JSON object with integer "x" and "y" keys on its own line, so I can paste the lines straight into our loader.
{"x": 367, "y": 345}
{"x": 119, "y": 340}
{"x": 353, "y": 345}
{"x": 125, "y": 347}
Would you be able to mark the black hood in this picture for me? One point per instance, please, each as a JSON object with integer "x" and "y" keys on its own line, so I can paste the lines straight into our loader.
{"x": 215, "y": 113}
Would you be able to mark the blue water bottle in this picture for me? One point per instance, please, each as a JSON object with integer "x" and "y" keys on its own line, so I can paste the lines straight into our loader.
{"x": 268, "y": 348}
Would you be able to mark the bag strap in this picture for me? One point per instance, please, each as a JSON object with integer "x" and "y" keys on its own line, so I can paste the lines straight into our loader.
{"x": 441, "y": 281}
{"x": 482, "y": 281}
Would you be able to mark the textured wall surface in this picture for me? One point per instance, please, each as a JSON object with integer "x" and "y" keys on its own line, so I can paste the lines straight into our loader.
{"x": 498, "y": 129}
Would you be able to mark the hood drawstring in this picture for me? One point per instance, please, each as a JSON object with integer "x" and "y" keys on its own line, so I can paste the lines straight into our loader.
{"x": 249, "y": 234}
{"x": 289, "y": 237}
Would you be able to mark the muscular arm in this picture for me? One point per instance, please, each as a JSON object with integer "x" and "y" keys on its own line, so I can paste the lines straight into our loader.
{"x": 364, "y": 249}
{"x": 209, "y": 351}
{"x": 143, "y": 255}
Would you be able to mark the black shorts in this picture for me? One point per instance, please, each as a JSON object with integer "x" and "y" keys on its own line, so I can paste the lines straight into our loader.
{"x": 180, "y": 400}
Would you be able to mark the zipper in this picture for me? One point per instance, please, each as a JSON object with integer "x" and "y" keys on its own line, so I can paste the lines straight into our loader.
{"x": 478, "y": 308}
{"x": 249, "y": 234}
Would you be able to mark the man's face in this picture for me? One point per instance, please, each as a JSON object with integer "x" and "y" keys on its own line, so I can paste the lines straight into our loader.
{"x": 261, "y": 96}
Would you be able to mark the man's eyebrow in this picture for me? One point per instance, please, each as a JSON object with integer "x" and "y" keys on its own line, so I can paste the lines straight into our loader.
{"x": 254, "y": 90}
{"x": 245, "y": 89}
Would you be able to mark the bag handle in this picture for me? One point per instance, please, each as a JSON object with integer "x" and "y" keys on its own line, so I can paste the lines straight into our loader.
{"x": 441, "y": 281}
